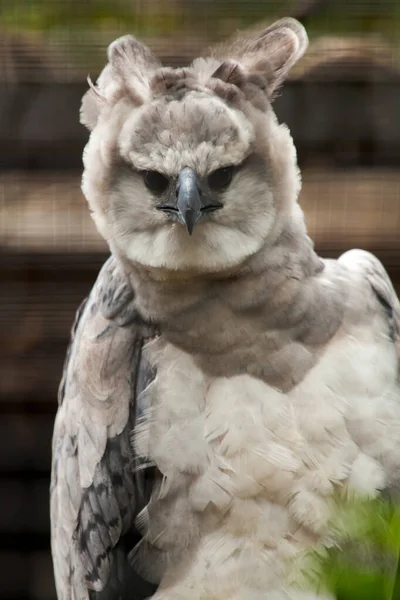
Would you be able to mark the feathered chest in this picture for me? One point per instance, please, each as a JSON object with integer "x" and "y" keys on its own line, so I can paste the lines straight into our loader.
{"x": 248, "y": 471}
{"x": 247, "y": 327}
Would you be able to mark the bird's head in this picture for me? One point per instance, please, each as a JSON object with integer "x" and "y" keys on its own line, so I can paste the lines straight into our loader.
{"x": 188, "y": 169}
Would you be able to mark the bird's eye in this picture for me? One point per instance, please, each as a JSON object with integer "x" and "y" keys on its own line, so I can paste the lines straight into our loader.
{"x": 156, "y": 182}
{"x": 221, "y": 178}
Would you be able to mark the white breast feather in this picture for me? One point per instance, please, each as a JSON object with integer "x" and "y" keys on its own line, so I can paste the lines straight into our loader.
{"x": 264, "y": 464}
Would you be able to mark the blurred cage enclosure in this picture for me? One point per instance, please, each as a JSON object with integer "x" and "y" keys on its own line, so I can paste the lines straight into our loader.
{"x": 342, "y": 104}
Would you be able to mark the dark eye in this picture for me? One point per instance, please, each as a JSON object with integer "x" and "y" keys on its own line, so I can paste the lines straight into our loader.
{"x": 221, "y": 178}
{"x": 156, "y": 182}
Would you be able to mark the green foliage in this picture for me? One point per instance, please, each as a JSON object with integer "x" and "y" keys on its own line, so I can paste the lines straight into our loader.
{"x": 209, "y": 17}
{"x": 57, "y": 15}
{"x": 363, "y": 563}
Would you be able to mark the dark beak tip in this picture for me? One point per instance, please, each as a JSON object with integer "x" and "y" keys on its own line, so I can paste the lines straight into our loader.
{"x": 189, "y": 221}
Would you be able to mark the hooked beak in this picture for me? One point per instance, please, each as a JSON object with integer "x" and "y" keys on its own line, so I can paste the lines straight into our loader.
{"x": 190, "y": 204}
{"x": 188, "y": 199}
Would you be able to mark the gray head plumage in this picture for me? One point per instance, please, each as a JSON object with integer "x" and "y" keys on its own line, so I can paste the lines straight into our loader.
{"x": 196, "y": 146}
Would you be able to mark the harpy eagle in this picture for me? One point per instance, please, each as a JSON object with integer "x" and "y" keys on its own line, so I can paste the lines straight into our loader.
{"x": 223, "y": 382}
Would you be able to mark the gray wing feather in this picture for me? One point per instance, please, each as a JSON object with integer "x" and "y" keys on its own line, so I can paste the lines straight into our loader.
{"x": 93, "y": 485}
{"x": 381, "y": 286}
{"x": 383, "y": 296}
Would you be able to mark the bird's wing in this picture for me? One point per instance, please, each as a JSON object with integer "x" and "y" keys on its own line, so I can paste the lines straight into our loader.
{"x": 380, "y": 286}
{"x": 96, "y": 492}
{"x": 380, "y": 295}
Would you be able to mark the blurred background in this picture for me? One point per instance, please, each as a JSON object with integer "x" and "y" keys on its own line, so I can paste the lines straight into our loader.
{"x": 342, "y": 104}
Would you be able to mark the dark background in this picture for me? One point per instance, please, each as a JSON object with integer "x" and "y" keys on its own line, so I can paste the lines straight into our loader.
{"x": 342, "y": 104}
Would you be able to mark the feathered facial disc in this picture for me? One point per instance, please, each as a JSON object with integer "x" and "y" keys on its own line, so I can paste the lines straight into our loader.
{"x": 187, "y": 169}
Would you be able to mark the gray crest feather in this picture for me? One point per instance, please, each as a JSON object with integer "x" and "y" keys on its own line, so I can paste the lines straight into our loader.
{"x": 270, "y": 54}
